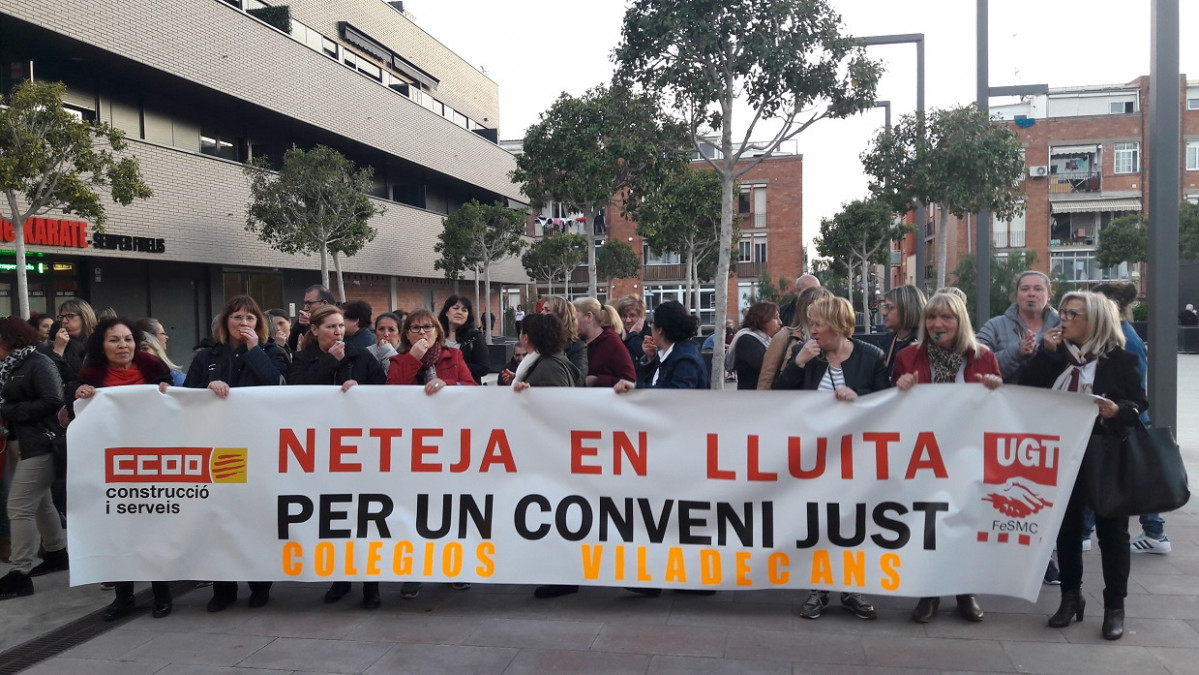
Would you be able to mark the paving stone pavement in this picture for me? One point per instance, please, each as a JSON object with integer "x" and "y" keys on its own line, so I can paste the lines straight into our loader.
{"x": 503, "y": 629}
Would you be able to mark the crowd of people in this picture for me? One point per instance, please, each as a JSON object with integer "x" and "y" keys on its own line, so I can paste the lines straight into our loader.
{"x": 1085, "y": 346}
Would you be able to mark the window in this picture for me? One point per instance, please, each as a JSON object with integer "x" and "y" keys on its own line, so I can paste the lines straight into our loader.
{"x": 1128, "y": 158}
{"x": 225, "y": 147}
{"x": 1193, "y": 103}
{"x": 743, "y": 201}
{"x": 1122, "y": 107}
{"x": 1009, "y": 233}
{"x": 760, "y": 206}
{"x": 652, "y": 257}
{"x": 1193, "y": 156}
{"x": 752, "y": 249}
{"x": 744, "y": 248}
{"x": 1081, "y": 266}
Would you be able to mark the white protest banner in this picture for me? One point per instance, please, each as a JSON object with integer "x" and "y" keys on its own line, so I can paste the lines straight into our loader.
{"x": 941, "y": 490}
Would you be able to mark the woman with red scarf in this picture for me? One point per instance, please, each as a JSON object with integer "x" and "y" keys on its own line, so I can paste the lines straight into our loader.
{"x": 425, "y": 360}
{"x": 113, "y": 360}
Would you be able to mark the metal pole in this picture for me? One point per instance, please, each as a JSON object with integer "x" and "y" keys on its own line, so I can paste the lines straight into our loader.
{"x": 886, "y": 106}
{"x": 982, "y": 300}
{"x": 921, "y": 213}
{"x": 1164, "y": 134}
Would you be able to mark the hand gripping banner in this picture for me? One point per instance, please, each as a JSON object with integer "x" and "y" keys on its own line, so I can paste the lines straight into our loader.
{"x": 941, "y": 490}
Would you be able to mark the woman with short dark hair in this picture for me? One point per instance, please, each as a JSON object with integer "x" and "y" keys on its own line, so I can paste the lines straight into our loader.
{"x": 31, "y": 393}
{"x": 42, "y": 323}
{"x": 460, "y": 331}
{"x": 749, "y": 345}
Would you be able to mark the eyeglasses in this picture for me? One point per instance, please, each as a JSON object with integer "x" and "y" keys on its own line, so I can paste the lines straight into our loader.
{"x": 421, "y": 329}
{"x": 309, "y": 303}
{"x": 244, "y": 318}
{"x": 67, "y": 317}
{"x": 888, "y": 307}
{"x": 1070, "y": 315}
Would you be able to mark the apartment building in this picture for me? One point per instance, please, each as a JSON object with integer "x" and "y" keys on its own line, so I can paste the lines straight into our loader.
{"x": 202, "y": 86}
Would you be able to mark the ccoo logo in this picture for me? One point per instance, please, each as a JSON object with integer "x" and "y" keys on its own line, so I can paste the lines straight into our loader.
{"x": 175, "y": 465}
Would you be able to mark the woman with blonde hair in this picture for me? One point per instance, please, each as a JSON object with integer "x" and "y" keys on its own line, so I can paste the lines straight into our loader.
{"x": 67, "y": 348}
{"x": 611, "y": 319}
{"x": 575, "y": 350}
{"x": 785, "y": 340}
{"x": 946, "y": 352}
{"x": 1086, "y": 355}
{"x": 146, "y": 342}
{"x": 608, "y": 361}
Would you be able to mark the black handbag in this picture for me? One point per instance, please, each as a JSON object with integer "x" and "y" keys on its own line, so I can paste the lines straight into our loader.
{"x": 1135, "y": 473}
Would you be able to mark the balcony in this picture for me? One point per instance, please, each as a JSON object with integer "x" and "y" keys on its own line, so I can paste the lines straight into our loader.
{"x": 1069, "y": 182}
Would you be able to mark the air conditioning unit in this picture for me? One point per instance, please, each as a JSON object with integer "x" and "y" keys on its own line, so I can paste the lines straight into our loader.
{"x": 1038, "y": 171}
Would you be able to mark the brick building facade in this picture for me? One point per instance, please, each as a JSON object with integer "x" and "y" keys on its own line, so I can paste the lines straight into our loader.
{"x": 201, "y": 86}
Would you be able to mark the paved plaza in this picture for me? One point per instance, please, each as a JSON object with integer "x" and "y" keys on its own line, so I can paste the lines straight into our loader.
{"x": 503, "y": 629}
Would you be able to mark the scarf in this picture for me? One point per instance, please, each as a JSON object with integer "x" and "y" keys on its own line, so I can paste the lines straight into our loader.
{"x": 944, "y": 363}
{"x": 429, "y": 361}
{"x": 11, "y": 363}
{"x": 119, "y": 377}
{"x": 526, "y": 364}
{"x": 730, "y": 356}
{"x": 1071, "y": 379}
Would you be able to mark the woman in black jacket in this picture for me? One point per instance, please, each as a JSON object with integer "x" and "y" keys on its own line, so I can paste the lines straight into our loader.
{"x": 31, "y": 393}
{"x": 324, "y": 357}
{"x": 458, "y": 323}
{"x": 903, "y": 310}
{"x": 1085, "y": 354}
{"x": 68, "y": 346}
{"x": 832, "y": 361}
{"x": 113, "y": 359}
{"x": 241, "y": 357}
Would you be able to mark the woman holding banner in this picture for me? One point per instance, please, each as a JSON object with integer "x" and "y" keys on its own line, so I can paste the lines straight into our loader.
{"x": 947, "y": 352}
{"x": 325, "y": 357}
{"x": 425, "y": 360}
{"x": 113, "y": 359}
{"x": 671, "y": 360}
{"x": 241, "y": 357}
{"x": 1086, "y": 354}
{"x": 831, "y": 361}
{"x": 903, "y": 311}
{"x": 575, "y": 349}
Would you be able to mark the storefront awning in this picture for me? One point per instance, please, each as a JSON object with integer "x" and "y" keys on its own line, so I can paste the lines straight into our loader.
{"x": 1061, "y": 150}
{"x": 1096, "y": 205}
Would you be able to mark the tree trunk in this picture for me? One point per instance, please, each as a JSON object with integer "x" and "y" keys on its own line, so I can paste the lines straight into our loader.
{"x": 941, "y": 252}
{"x": 866, "y": 295}
{"x": 478, "y": 312}
{"x": 341, "y": 282}
{"x": 487, "y": 297}
{"x": 726, "y": 235}
{"x": 18, "y": 226}
{"x": 689, "y": 280}
{"x": 697, "y": 286}
{"x": 324, "y": 267}
{"x": 849, "y": 281}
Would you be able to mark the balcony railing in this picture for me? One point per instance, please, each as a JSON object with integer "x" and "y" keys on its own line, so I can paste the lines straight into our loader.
{"x": 1075, "y": 181}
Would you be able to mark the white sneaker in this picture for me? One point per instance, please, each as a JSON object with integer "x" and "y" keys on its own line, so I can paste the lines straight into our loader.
{"x": 1086, "y": 544}
{"x": 1143, "y": 543}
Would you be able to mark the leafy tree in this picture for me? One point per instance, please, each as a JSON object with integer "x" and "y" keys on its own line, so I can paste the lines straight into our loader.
{"x": 683, "y": 217}
{"x": 474, "y": 237}
{"x": 832, "y": 275}
{"x": 1124, "y": 240}
{"x": 50, "y": 160}
{"x": 617, "y": 260}
{"x": 554, "y": 257}
{"x": 957, "y": 159}
{"x": 609, "y": 145}
{"x": 1188, "y": 231}
{"x": 860, "y": 235}
{"x": 1003, "y": 278}
{"x": 787, "y": 61}
{"x": 316, "y": 203}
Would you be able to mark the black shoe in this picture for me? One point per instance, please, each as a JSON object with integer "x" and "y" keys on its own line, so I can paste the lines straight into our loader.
{"x": 52, "y": 561}
{"x": 15, "y": 584}
{"x": 1052, "y": 575}
{"x": 259, "y": 598}
{"x": 647, "y": 592}
{"x": 926, "y": 610}
{"x": 695, "y": 591}
{"x": 162, "y": 609}
{"x": 1113, "y": 624}
{"x": 968, "y": 608}
{"x": 814, "y": 606}
{"x": 118, "y": 609}
{"x": 858, "y": 606}
{"x": 1072, "y": 606}
{"x": 219, "y": 603}
{"x": 554, "y": 591}
{"x": 370, "y": 597}
{"x": 336, "y": 592}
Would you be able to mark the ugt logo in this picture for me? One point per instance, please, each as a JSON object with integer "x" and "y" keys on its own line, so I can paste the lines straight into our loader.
{"x": 175, "y": 465}
{"x": 1017, "y": 464}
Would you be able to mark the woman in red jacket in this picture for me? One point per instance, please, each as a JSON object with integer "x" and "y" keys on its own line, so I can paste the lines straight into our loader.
{"x": 424, "y": 358}
{"x": 608, "y": 362}
{"x": 947, "y": 352}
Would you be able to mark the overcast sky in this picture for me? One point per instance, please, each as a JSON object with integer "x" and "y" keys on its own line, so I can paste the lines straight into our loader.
{"x": 536, "y": 49}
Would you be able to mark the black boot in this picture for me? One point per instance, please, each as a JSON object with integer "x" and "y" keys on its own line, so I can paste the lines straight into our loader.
{"x": 52, "y": 561}
{"x": 1072, "y": 606}
{"x": 968, "y": 608}
{"x": 925, "y": 610}
{"x": 1113, "y": 624}
{"x": 337, "y": 591}
{"x": 15, "y": 584}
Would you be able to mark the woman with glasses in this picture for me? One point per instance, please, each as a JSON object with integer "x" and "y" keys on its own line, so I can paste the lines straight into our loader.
{"x": 68, "y": 346}
{"x": 459, "y": 331}
{"x": 947, "y": 353}
{"x": 241, "y": 357}
{"x": 903, "y": 309}
{"x": 1086, "y": 355}
{"x": 833, "y": 362}
{"x": 425, "y": 360}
